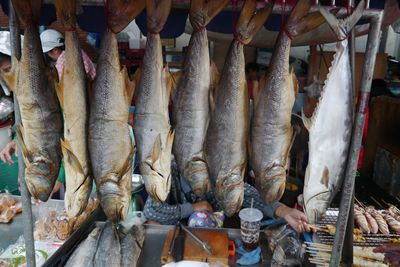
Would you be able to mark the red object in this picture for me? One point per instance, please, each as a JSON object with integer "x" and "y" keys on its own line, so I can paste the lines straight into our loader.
{"x": 232, "y": 248}
{"x": 6, "y": 123}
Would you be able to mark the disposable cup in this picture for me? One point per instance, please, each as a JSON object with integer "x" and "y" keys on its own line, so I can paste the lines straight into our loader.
{"x": 250, "y": 219}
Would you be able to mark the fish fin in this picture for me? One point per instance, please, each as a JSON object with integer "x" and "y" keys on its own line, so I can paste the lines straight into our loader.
{"x": 295, "y": 81}
{"x": 257, "y": 88}
{"x": 203, "y": 11}
{"x": 175, "y": 77}
{"x": 212, "y": 99}
{"x": 20, "y": 138}
{"x": 168, "y": 84}
{"x": 306, "y": 121}
{"x": 10, "y": 78}
{"x": 170, "y": 140}
{"x": 157, "y": 14}
{"x": 28, "y": 11}
{"x": 119, "y": 13}
{"x": 130, "y": 86}
{"x": 343, "y": 27}
{"x": 60, "y": 92}
{"x": 300, "y": 21}
{"x": 66, "y": 12}
{"x": 156, "y": 153}
{"x": 70, "y": 156}
{"x": 251, "y": 20}
{"x": 214, "y": 82}
{"x": 128, "y": 163}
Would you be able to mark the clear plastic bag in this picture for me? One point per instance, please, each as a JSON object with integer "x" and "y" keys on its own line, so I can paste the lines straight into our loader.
{"x": 288, "y": 250}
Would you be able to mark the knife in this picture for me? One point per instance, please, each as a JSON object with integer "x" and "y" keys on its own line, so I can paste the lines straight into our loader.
{"x": 203, "y": 244}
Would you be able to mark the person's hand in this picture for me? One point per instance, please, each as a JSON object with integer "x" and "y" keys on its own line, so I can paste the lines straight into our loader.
{"x": 295, "y": 218}
{"x": 8, "y": 151}
{"x": 202, "y": 206}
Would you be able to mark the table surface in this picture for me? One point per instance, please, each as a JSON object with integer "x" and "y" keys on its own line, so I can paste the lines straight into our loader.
{"x": 155, "y": 239}
{"x": 10, "y": 232}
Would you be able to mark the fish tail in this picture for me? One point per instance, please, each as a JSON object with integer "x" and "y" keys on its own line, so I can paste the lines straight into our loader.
{"x": 28, "y": 11}
{"x": 157, "y": 14}
{"x": 120, "y": 13}
{"x": 66, "y": 10}
{"x": 343, "y": 27}
{"x": 251, "y": 20}
{"x": 300, "y": 21}
{"x": 203, "y": 11}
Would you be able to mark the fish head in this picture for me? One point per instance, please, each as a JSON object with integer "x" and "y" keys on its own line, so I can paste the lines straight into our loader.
{"x": 271, "y": 184}
{"x": 40, "y": 177}
{"x": 316, "y": 206}
{"x": 115, "y": 194}
{"x": 157, "y": 183}
{"x": 230, "y": 193}
{"x": 196, "y": 173}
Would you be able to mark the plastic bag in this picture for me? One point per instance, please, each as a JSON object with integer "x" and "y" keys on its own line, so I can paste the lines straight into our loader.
{"x": 288, "y": 250}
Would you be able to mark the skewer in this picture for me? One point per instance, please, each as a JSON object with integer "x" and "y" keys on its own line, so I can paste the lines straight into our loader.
{"x": 359, "y": 203}
{"x": 317, "y": 244}
{"x": 398, "y": 199}
{"x": 376, "y": 201}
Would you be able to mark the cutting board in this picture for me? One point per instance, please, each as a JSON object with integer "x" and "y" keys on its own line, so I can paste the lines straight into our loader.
{"x": 217, "y": 240}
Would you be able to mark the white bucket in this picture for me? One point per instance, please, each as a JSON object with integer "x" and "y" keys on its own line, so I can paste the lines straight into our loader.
{"x": 5, "y": 136}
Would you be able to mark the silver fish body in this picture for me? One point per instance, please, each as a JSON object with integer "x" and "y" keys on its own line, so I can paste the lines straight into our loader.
{"x": 153, "y": 133}
{"x": 108, "y": 251}
{"x": 191, "y": 104}
{"x": 330, "y": 134}
{"x": 41, "y": 130}
{"x": 73, "y": 95}
{"x": 226, "y": 150}
{"x": 227, "y": 134}
{"x": 85, "y": 252}
{"x": 110, "y": 145}
{"x": 272, "y": 130}
{"x": 131, "y": 246}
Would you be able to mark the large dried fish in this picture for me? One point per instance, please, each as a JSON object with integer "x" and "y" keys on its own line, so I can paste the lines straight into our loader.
{"x": 191, "y": 104}
{"x": 85, "y": 252}
{"x": 331, "y": 124}
{"x": 40, "y": 132}
{"x": 110, "y": 145}
{"x": 153, "y": 133}
{"x": 131, "y": 246}
{"x": 226, "y": 143}
{"x": 272, "y": 133}
{"x": 73, "y": 95}
{"x": 108, "y": 248}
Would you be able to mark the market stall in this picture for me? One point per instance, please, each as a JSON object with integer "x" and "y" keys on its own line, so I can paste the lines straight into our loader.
{"x": 210, "y": 137}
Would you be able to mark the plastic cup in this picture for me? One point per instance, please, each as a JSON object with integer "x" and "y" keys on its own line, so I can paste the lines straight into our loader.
{"x": 250, "y": 219}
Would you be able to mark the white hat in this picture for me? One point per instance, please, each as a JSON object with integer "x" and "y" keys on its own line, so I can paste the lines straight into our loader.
{"x": 5, "y": 46}
{"x": 51, "y": 39}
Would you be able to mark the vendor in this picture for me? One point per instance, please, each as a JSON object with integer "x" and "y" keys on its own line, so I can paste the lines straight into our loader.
{"x": 53, "y": 47}
{"x": 182, "y": 202}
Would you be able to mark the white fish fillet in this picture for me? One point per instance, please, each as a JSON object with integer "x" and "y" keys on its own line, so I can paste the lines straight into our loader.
{"x": 329, "y": 136}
